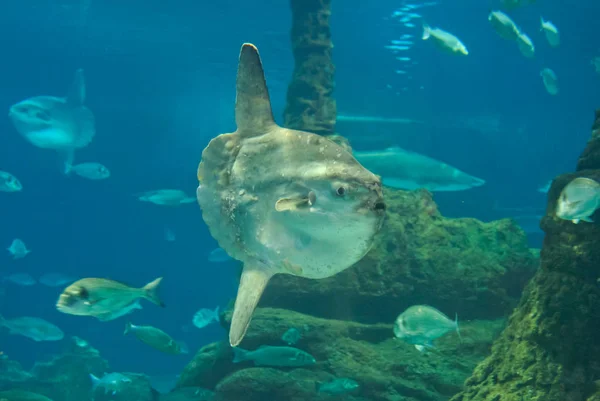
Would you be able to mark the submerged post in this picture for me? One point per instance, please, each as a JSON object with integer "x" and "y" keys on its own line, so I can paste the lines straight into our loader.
{"x": 550, "y": 349}
{"x": 310, "y": 103}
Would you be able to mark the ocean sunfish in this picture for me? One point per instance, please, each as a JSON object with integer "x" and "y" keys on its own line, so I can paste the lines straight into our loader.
{"x": 403, "y": 169}
{"x": 61, "y": 124}
{"x": 281, "y": 200}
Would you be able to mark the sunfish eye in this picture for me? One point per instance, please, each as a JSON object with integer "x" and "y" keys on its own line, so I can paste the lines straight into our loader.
{"x": 340, "y": 191}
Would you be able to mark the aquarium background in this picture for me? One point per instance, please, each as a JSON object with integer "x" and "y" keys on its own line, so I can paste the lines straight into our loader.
{"x": 160, "y": 81}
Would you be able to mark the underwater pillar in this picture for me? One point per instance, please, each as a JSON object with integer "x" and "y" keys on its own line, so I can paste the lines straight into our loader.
{"x": 310, "y": 103}
{"x": 550, "y": 349}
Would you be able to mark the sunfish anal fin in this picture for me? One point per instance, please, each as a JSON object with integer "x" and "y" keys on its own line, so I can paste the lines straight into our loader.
{"x": 253, "y": 113}
{"x": 252, "y": 284}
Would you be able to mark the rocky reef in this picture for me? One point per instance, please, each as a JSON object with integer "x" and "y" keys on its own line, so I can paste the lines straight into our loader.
{"x": 310, "y": 103}
{"x": 66, "y": 377}
{"x": 550, "y": 350}
{"x": 463, "y": 266}
{"x": 385, "y": 368}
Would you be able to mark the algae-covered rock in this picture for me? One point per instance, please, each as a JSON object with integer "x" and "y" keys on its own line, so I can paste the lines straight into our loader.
{"x": 12, "y": 374}
{"x": 188, "y": 394}
{"x": 385, "y": 368}
{"x": 22, "y": 395}
{"x": 463, "y": 266}
{"x": 550, "y": 349}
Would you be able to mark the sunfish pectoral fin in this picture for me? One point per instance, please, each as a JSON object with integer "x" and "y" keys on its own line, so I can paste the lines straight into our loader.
{"x": 295, "y": 202}
{"x": 252, "y": 284}
{"x": 76, "y": 95}
{"x": 253, "y": 113}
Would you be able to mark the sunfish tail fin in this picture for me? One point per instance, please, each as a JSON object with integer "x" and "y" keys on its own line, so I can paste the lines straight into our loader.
{"x": 67, "y": 157}
{"x": 253, "y": 113}
{"x": 240, "y": 355}
{"x": 76, "y": 94}
{"x": 457, "y": 329}
{"x": 128, "y": 328}
{"x": 216, "y": 312}
{"x": 252, "y": 284}
{"x": 151, "y": 292}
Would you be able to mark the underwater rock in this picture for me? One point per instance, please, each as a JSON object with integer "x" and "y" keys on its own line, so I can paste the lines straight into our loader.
{"x": 550, "y": 350}
{"x": 66, "y": 377}
{"x": 12, "y": 374}
{"x": 310, "y": 103}
{"x": 477, "y": 270}
{"x": 386, "y": 368}
{"x": 22, "y": 395}
{"x": 188, "y": 394}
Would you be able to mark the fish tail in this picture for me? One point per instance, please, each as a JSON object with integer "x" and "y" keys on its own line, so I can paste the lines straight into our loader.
{"x": 128, "y": 328}
{"x": 151, "y": 292}
{"x": 95, "y": 380}
{"x": 239, "y": 355}
{"x": 426, "y": 31}
{"x": 456, "y": 324}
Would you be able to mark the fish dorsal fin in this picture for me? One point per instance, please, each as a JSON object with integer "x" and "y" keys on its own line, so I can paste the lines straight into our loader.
{"x": 252, "y": 284}
{"x": 76, "y": 95}
{"x": 253, "y": 114}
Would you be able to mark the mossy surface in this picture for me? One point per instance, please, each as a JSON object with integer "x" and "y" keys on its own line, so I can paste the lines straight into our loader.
{"x": 550, "y": 349}
{"x": 385, "y": 368}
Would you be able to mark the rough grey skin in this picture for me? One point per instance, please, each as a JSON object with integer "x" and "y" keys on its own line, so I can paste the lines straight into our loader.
{"x": 281, "y": 200}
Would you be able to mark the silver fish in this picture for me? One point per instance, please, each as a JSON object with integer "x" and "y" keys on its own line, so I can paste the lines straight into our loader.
{"x": 55, "y": 279}
{"x": 444, "y": 40}
{"x": 111, "y": 382}
{"x": 157, "y": 339}
{"x": 551, "y": 31}
{"x": 18, "y": 249}
{"x": 62, "y": 124}
{"x": 9, "y": 183}
{"x": 550, "y": 81}
{"x": 91, "y": 171}
{"x": 578, "y": 200}
{"x": 403, "y": 169}
{"x": 24, "y": 279}
{"x": 504, "y": 25}
{"x": 274, "y": 356}
{"x": 166, "y": 197}
{"x": 337, "y": 386}
{"x": 204, "y": 317}
{"x": 32, "y": 327}
{"x": 421, "y": 324}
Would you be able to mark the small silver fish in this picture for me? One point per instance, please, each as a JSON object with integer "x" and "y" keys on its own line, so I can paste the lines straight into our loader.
{"x": 111, "y": 382}
{"x": 444, "y": 40}
{"x": 18, "y": 249}
{"x": 157, "y": 339}
{"x": 550, "y": 81}
{"x": 274, "y": 356}
{"x": 525, "y": 45}
{"x": 504, "y": 25}
{"x": 166, "y": 197}
{"x": 578, "y": 200}
{"x": 291, "y": 336}
{"x": 421, "y": 324}
{"x": 551, "y": 31}
{"x": 32, "y": 327}
{"x": 91, "y": 171}
{"x": 24, "y": 279}
{"x": 337, "y": 386}
{"x": 9, "y": 183}
{"x": 204, "y": 317}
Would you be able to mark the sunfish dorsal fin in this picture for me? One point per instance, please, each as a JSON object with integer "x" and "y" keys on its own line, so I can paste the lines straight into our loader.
{"x": 253, "y": 114}
{"x": 252, "y": 284}
{"x": 76, "y": 95}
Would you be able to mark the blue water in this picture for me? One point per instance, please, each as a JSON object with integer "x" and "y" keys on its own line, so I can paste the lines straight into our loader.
{"x": 160, "y": 81}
